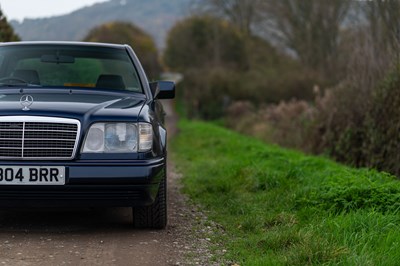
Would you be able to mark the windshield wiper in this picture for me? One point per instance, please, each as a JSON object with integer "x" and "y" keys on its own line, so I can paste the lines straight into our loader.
{"x": 16, "y": 82}
{"x": 13, "y": 85}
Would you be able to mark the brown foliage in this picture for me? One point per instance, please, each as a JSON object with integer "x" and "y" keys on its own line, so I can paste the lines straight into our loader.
{"x": 356, "y": 122}
{"x": 286, "y": 123}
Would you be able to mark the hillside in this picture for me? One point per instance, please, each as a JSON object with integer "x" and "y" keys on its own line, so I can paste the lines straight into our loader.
{"x": 154, "y": 16}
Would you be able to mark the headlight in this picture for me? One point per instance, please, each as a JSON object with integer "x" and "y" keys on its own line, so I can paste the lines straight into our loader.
{"x": 118, "y": 138}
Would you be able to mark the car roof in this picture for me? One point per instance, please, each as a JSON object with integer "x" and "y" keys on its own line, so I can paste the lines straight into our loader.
{"x": 93, "y": 44}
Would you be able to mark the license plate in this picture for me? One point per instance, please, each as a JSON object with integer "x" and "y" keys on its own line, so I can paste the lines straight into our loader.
{"x": 32, "y": 175}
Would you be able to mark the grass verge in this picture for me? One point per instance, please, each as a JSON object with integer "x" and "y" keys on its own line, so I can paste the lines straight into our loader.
{"x": 281, "y": 207}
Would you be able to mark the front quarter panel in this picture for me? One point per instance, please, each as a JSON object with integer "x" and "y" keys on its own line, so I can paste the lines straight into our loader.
{"x": 151, "y": 114}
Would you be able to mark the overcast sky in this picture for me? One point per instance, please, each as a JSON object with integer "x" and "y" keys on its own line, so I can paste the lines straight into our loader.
{"x": 20, "y": 9}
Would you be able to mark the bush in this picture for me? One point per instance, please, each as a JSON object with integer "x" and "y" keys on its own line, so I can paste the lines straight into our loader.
{"x": 286, "y": 123}
{"x": 382, "y": 127}
{"x": 351, "y": 124}
{"x": 205, "y": 91}
{"x": 356, "y": 122}
{"x": 338, "y": 123}
{"x": 360, "y": 126}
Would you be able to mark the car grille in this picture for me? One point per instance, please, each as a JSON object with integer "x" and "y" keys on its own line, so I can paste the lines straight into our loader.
{"x": 38, "y": 138}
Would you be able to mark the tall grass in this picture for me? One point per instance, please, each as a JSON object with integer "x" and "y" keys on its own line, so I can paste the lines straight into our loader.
{"x": 280, "y": 207}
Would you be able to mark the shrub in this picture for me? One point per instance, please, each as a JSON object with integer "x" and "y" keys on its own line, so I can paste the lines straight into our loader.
{"x": 352, "y": 124}
{"x": 382, "y": 127}
{"x": 205, "y": 91}
{"x": 338, "y": 123}
{"x": 286, "y": 123}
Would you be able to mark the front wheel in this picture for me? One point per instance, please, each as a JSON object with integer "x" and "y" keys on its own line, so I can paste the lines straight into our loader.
{"x": 155, "y": 215}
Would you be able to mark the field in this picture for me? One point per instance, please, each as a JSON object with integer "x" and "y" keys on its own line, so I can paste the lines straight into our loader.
{"x": 281, "y": 207}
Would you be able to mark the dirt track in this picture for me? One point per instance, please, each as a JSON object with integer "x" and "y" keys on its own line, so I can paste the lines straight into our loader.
{"x": 104, "y": 236}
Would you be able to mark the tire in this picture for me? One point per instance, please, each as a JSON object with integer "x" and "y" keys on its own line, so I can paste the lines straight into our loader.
{"x": 155, "y": 215}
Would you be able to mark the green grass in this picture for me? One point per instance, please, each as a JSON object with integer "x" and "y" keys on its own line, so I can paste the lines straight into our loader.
{"x": 281, "y": 207}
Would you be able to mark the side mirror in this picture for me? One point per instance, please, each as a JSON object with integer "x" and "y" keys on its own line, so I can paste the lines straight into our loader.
{"x": 163, "y": 89}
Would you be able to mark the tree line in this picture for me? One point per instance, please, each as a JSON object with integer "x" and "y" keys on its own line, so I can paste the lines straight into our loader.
{"x": 321, "y": 76}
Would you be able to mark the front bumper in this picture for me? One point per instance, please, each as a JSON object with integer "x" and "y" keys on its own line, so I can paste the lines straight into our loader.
{"x": 90, "y": 183}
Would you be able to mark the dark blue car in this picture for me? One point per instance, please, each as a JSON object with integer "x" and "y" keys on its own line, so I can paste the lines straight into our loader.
{"x": 80, "y": 125}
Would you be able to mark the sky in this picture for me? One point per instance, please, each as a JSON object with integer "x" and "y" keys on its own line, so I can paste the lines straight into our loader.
{"x": 20, "y": 9}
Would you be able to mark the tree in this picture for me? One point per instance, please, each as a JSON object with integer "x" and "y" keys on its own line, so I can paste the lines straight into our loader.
{"x": 383, "y": 19}
{"x": 310, "y": 28}
{"x": 242, "y": 13}
{"x": 204, "y": 42}
{"x": 6, "y": 31}
{"x": 126, "y": 33}
{"x": 208, "y": 52}
{"x": 220, "y": 64}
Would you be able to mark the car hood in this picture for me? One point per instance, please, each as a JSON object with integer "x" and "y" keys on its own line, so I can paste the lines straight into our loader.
{"x": 84, "y": 105}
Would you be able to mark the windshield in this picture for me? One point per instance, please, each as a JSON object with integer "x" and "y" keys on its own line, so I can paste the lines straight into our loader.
{"x": 68, "y": 66}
